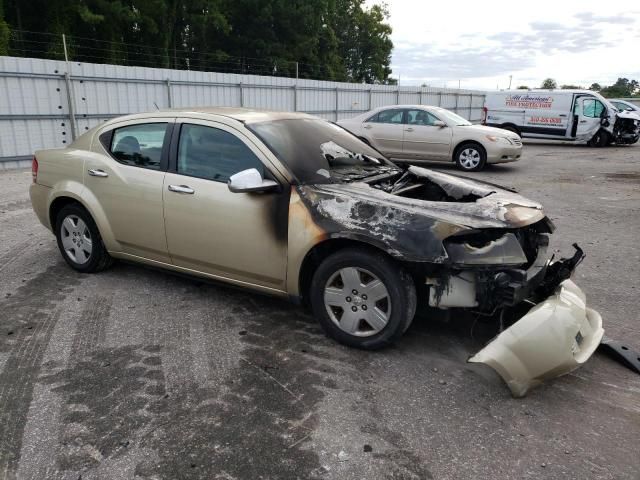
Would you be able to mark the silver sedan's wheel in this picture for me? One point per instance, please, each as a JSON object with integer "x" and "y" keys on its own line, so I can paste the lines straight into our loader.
{"x": 357, "y": 301}
{"x": 76, "y": 239}
{"x": 470, "y": 158}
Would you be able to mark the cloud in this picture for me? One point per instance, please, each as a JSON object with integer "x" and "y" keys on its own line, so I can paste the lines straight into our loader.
{"x": 474, "y": 56}
{"x": 591, "y": 19}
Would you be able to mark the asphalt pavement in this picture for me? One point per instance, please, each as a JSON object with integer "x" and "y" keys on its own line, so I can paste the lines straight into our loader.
{"x": 138, "y": 373}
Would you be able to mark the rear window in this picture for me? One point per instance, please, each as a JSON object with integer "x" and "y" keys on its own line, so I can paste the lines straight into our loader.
{"x": 139, "y": 145}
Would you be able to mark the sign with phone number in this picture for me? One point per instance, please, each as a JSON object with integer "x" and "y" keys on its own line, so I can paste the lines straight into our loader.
{"x": 553, "y": 121}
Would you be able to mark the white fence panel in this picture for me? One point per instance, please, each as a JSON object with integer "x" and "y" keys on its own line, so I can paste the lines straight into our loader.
{"x": 41, "y": 99}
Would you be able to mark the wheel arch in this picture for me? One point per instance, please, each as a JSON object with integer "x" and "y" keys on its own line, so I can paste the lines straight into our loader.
{"x": 322, "y": 250}
{"x": 67, "y": 197}
{"x": 465, "y": 142}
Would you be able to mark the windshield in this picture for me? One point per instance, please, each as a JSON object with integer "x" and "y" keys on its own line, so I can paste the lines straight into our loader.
{"x": 452, "y": 119}
{"x": 317, "y": 151}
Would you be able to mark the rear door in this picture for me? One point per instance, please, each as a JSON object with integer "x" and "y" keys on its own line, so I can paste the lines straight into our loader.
{"x": 236, "y": 236}
{"x": 384, "y": 130}
{"x": 127, "y": 180}
{"x": 423, "y": 140}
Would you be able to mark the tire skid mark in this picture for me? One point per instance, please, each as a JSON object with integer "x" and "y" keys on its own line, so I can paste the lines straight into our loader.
{"x": 258, "y": 423}
{"x": 91, "y": 327}
{"x": 27, "y": 320}
{"x": 18, "y": 251}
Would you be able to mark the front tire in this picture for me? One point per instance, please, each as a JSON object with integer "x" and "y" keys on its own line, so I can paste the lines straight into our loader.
{"x": 79, "y": 240}
{"x": 600, "y": 139}
{"x": 470, "y": 157}
{"x": 362, "y": 299}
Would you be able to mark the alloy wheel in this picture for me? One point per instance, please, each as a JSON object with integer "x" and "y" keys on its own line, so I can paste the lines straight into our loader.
{"x": 76, "y": 239}
{"x": 470, "y": 158}
{"x": 357, "y": 301}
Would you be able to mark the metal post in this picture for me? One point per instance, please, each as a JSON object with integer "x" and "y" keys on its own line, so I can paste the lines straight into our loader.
{"x": 456, "y": 107}
{"x": 370, "y": 98}
{"x": 337, "y": 103}
{"x": 169, "y": 98}
{"x": 470, "y": 106}
{"x": 398, "y": 95}
{"x": 420, "y": 95}
{"x": 296, "y": 70}
{"x": 70, "y": 94}
{"x": 295, "y": 96}
{"x": 439, "y": 99}
{"x": 241, "y": 95}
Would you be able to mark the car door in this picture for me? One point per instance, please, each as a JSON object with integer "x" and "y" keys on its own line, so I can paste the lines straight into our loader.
{"x": 384, "y": 131}
{"x": 127, "y": 180}
{"x": 236, "y": 236}
{"x": 423, "y": 140}
{"x": 589, "y": 112}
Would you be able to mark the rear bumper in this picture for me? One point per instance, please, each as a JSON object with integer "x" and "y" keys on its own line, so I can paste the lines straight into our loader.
{"x": 556, "y": 336}
{"x": 39, "y": 195}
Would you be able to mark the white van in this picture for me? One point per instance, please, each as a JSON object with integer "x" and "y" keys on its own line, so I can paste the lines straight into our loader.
{"x": 578, "y": 115}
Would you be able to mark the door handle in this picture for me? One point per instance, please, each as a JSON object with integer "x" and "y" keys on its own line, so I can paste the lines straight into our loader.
{"x": 583, "y": 121}
{"x": 408, "y": 129}
{"x": 181, "y": 189}
{"x": 562, "y": 115}
{"x": 367, "y": 127}
{"x": 98, "y": 173}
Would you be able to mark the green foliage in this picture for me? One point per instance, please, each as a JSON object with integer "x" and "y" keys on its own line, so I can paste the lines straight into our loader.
{"x": 621, "y": 89}
{"x": 4, "y": 33}
{"x": 570, "y": 87}
{"x": 331, "y": 39}
{"x": 523, "y": 87}
{"x": 549, "y": 83}
{"x": 595, "y": 87}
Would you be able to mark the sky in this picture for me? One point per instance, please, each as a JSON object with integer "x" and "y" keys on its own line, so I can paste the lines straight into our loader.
{"x": 481, "y": 43}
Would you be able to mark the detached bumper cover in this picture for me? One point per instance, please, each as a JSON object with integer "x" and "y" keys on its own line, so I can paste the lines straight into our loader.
{"x": 555, "y": 337}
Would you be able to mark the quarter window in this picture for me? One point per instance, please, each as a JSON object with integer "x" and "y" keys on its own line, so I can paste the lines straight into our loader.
{"x": 139, "y": 145}
{"x": 214, "y": 154}
{"x": 420, "y": 117}
{"x": 592, "y": 108}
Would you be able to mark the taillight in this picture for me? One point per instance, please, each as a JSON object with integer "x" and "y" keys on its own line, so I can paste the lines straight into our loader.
{"x": 484, "y": 115}
{"x": 34, "y": 169}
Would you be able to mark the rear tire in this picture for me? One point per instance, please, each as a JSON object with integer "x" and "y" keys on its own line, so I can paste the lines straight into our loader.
{"x": 79, "y": 240}
{"x": 354, "y": 287}
{"x": 470, "y": 157}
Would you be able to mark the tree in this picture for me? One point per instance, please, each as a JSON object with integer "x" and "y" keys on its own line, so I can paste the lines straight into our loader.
{"x": 595, "y": 87}
{"x": 523, "y": 87}
{"x": 622, "y": 88}
{"x": 570, "y": 87}
{"x": 4, "y": 33}
{"x": 332, "y": 39}
{"x": 549, "y": 83}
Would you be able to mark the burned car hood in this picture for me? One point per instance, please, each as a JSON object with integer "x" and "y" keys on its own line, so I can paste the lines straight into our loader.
{"x": 411, "y": 222}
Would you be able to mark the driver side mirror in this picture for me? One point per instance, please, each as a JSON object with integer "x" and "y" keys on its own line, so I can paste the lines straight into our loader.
{"x": 439, "y": 123}
{"x": 250, "y": 180}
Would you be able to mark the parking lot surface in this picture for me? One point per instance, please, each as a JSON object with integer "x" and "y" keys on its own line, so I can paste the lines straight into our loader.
{"x": 137, "y": 373}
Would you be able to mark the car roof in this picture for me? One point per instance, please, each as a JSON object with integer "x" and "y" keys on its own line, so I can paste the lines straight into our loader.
{"x": 244, "y": 115}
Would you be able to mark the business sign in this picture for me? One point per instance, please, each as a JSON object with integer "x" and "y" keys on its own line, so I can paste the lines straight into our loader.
{"x": 529, "y": 101}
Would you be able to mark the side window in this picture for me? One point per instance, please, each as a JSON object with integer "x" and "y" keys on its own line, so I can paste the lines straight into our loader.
{"x": 211, "y": 153}
{"x": 592, "y": 108}
{"x": 139, "y": 145}
{"x": 420, "y": 117}
{"x": 373, "y": 118}
{"x": 389, "y": 116}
